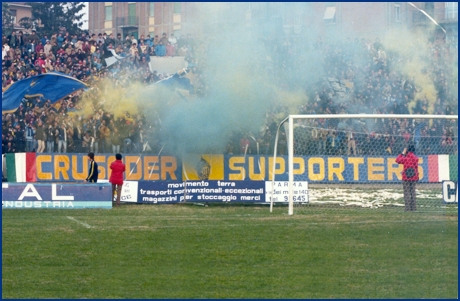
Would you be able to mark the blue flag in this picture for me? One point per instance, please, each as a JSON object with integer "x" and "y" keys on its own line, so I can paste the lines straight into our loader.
{"x": 176, "y": 80}
{"x": 53, "y": 86}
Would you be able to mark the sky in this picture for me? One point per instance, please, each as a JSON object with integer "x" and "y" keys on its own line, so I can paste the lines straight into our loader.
{"x": 85, "y": 17}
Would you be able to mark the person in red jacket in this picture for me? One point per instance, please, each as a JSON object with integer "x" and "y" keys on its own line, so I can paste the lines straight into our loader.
{"x": 116, "y": 177}
{"x": 409, "y": 176}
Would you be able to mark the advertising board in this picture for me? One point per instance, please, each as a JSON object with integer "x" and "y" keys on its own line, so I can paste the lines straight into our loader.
{"x": 144, "y": 167}
{"x": 56, "y": 196}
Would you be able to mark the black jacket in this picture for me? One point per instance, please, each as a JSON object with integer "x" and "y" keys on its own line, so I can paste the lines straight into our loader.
{"x": 92, "y": 173}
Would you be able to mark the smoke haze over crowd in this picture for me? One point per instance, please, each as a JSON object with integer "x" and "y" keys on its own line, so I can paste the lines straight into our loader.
{"x": 239, "y": 65}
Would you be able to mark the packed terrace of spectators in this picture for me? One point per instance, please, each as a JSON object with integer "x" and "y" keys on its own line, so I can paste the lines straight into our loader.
{"x": 366, "y": 72}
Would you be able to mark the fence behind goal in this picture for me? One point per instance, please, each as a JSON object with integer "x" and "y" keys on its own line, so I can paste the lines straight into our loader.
{"x": 348, "y": 160}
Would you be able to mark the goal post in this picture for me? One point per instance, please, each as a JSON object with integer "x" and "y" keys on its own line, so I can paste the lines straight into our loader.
{"x": 353, "y": 144}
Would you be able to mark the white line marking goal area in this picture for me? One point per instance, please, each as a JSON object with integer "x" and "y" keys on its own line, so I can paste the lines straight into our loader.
{"x": 80, "y": 222}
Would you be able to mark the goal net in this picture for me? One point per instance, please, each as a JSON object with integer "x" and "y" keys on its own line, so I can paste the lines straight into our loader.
{"x": 349, "y": 161}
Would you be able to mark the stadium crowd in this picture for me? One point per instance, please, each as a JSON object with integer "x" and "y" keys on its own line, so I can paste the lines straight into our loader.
{"x": 360, "y": 78}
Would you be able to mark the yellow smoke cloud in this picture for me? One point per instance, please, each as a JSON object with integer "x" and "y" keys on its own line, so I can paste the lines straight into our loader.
{"x": 119, "y": 99}
{"x": 412, "y": 48}
{"x": 291, "y": 100}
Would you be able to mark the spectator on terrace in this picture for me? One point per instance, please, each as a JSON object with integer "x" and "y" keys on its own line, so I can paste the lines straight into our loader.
{"x": 134, "y": 40}
{"x": 13, "y": 42}
{"x": 97, "y": 64}
{"x": 10, "y": 148}
{"x": 40, "y": 136}
{"x": 118, "y": 41}
{"x": 47, "y": 48}
{"x": 110, "y": 40}
{"x": 80, "y": 55}
{"x": 148, "y": 41}
{"x": 86, "y": 141}
{"x": 116, "y": 140}
{"x": 59, "y": 40}
{"x": 170, "y": 50}
{"x": 331, "y": 143}
{"x": 99, "y": 39}
{"x": 51, "y": 133}
{"x": 448, "y": 140}
{"x": 75, "y": 41}
{"x": 39, "y": 47}
{"x": 30, "y": 46}
{"x": 62, "y": 138}
{"x": 160, "y": 49}
{"x": 351, "y": 142}
{"x": 172, "y": 39}
{"x": 104, "y": 133}
{"x": 142, "y": 47}
{"x": 145, "y": 55}
{"x": 34, "y": 37}
{"x": 97, "y": 53}
{"x": 164, "y": 39}
{"x": 86, "y": 47}
{"x": 29, "y": 135}
{"x": 155, "y": 41}
{"x": 10, "y": 137}
{"x": 20, "y": 39}
{"x": 133, "y": 49}
{"x": 127, "y": 43}
{"x": 49, "y": 65}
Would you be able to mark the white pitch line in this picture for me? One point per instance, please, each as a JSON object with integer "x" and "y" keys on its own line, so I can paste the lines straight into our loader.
{"x": 81, "y": 223}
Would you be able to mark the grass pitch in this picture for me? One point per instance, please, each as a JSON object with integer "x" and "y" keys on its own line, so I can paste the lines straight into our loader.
{"x": 228, "y": 251}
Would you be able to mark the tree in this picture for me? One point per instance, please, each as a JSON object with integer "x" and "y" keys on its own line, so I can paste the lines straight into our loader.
{"x": 7, "y": 19}
{"x": 49, "y": 18}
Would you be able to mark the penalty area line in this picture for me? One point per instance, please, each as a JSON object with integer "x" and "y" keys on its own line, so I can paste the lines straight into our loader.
{"x": 81, "y": 223}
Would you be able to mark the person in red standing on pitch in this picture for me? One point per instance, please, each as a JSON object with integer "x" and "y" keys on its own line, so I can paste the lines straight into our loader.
{"x": 409, "y": 176}
{"x": 116, "y": 177}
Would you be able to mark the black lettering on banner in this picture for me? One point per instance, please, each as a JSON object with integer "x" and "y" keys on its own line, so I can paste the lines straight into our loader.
{"x": 450, "y": 192}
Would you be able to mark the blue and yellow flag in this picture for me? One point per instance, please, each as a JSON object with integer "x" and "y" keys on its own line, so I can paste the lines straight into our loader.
{"x": 53, "y": 86}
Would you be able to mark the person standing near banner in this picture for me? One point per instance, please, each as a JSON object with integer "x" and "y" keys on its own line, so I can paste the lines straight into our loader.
{"x": 116, "y": 177}
{"x": 409, "y": 176}
{"x": 93, "y": 171}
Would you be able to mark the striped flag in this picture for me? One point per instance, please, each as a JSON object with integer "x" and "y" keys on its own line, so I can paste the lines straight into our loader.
{"x": 442, "y": 168}
{"x": 21, "y": 167}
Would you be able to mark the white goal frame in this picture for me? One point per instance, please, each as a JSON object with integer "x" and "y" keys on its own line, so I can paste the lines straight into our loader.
{"x": 290, "y": 120}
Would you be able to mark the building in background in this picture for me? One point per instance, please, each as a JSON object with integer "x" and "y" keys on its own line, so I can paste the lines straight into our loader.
{"x": 445, "y": 14}
{"x": 18, "y": 11}
{"x": 137, "y": 18}
{"x": 354, "y": 19}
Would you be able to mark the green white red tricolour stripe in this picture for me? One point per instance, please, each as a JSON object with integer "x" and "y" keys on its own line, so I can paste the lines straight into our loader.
{"x": 21, "y": 167}
{"x": 442, "y": 168}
